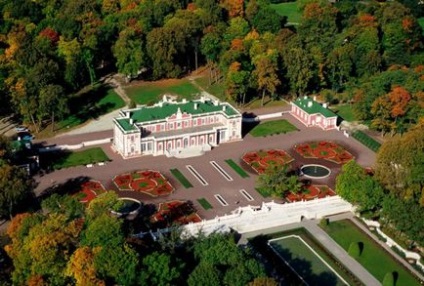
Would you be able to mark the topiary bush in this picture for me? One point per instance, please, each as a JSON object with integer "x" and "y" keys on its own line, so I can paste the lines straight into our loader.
{"x": 355, "y": 249}
{"x": 324, "y": 222}
{"x": 389, "y": 279}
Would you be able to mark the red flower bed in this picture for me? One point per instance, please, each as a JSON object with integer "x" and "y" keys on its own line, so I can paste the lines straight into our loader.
{"x": 324, "y": 150}
{"x": 89, "y": 191}
{"x": 149, "y": 182}
{"x": 311, "y": 192}
{"x": 261, "y": 160}
{"x": 175, "y": 211}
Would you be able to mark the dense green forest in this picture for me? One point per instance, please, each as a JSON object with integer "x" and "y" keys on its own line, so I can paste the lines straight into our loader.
{"x": 364, "y": 52}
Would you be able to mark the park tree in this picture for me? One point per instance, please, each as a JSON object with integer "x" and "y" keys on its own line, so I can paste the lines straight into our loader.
{"x": 15, "y": 188}
{"x": 81, "y": 267}
{"x": 222, "y": 262}
{"x": 299, "y": 65}
{"x": 236, "y": 82}
{"x": 277, "y": 181}
{"x": 265, "y": 74}
{"x": 129, "y": 52}
{"x": 103, "y": 230}
{"x": 53, "y": 102}
{"x": 357, "y": 187}
{"x": 400, "y": 162}
{"x": 117, "y": 263}
{"x": 159, "y": 269}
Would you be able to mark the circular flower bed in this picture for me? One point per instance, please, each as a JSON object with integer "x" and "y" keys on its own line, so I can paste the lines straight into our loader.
{"x": 149, "y": 182}
{"x": 324, "y": 150}
{"x": 261, "y": 160}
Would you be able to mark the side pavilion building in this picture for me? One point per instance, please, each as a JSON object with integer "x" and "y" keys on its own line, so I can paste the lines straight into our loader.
{"x": 171, "y": 128}
{"x": 311, "y": 113}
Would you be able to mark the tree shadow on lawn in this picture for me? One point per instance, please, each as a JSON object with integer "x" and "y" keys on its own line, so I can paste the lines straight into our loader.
{"x": 85, "y": 106}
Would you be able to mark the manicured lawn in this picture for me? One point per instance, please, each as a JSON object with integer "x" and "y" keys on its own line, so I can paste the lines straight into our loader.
{"x": 91, "y": 104}
{"x": 289, "y": 10}
{"x": 272, "y": 127}
{"x": 305, "y": 260}
{"x": 345, "y": 111}
{"x": 205, "y": 204}
{"x": 239, "y": 170}
{"x": 217, "y": 89}
{"x": 151, "y": 92}
{"x": 60, "y": 159}
{"x": 366, "y": 140}
{"x": 374, "y": 258}
{"x": 181, "y": 178}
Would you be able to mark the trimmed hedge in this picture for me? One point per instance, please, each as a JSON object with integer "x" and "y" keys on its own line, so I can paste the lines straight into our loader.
{"x": 366, "y": 140}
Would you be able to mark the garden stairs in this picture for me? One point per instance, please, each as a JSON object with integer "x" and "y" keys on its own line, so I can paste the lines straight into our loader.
{"x": 189, "y": 152}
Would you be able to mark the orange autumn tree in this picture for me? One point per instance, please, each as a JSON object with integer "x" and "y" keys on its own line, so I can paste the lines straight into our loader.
{"x": 399, "y": 98}
{"x": 389, "y": 110}
{"x": 235, "y": 8}
{"x": 82, "y": 268}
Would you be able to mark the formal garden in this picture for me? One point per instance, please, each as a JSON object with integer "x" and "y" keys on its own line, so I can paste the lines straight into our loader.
{"x": 263, "y": 159}
{"x": 326, "y": 150}
{"x": 309, "y": 192}
{"x": 175, "y": 212}
{"x": 368, "y": 253}
{"x": 89, "y": 191}
{"x": 148, "y": 182}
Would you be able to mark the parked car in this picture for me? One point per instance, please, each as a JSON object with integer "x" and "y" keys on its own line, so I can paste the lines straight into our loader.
{"x": 21, "y": 128}
{"x": 25, "y": 136}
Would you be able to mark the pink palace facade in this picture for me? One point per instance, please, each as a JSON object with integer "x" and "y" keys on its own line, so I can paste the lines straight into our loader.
{"x": 311, "y": 113}
{"x": 169, "y": 127}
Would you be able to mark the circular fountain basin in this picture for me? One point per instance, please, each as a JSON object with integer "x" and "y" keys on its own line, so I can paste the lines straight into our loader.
{"x": 131, "y": 206}
{"x": 315, "y": 171}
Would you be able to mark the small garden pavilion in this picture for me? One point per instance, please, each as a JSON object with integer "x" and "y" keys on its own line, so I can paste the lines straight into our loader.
{"x": 311, "y": 113}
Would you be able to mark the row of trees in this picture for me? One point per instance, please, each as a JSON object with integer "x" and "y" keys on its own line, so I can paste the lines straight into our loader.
{"x": 396, "y": 192}
{"x": 52, "y": 48}
{"x": 16, "y": 186}
{"x": 70, "y": 244}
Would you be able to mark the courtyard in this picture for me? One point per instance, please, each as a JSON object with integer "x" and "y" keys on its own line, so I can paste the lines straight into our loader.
{"x": 211, "y": 177}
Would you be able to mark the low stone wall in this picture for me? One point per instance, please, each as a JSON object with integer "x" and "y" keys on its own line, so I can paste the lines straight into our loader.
{"x": 268, "y": 215}
{"x": 76, "y": 146}
{"x": 390, "y": 242}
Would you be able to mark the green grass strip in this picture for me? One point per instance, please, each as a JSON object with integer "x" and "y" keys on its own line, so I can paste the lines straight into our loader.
{"x": 272, "y": 127}
{"x": 205, "y": 204}
{"x": 61, "y": 160}
{"x": 180, "y": 177}
{"x": 373, "y": 257}
{"x": 366, "y": 140}
{"x": 239, "y": 170}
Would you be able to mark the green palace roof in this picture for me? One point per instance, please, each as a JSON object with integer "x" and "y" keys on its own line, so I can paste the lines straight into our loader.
{"x": 160, "y": 113}
{"x": 312, "y": 107}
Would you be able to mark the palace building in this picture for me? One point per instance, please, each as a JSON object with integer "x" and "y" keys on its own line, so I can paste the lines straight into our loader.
{"x": 311, "y": 113}
{"x": 176, "y": 128}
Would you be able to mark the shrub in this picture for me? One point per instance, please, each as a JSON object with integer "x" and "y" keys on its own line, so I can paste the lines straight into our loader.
{"x": 355, "y": 249}
{"x": 132, "y": 104}
{"x": 389, "y": 279}
{"x": 324, "y": 222}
